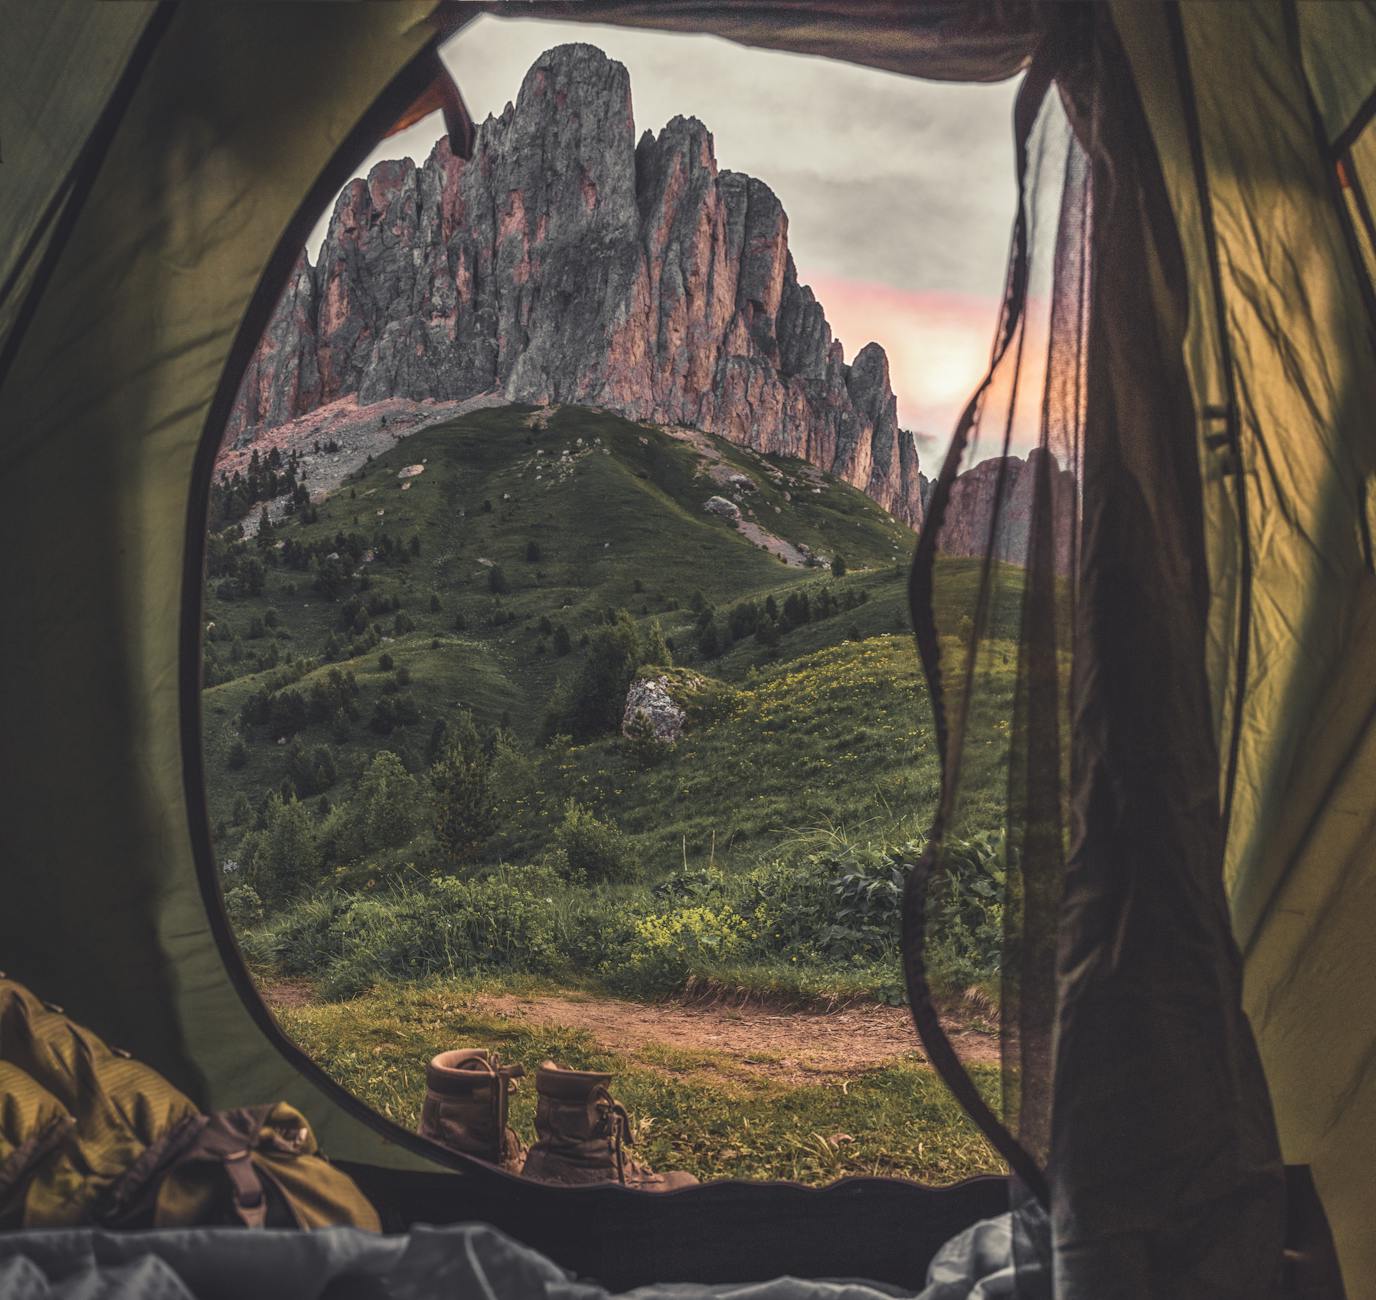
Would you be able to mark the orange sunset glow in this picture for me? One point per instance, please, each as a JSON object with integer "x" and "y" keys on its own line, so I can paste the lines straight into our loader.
{"x": 938, "y": 344}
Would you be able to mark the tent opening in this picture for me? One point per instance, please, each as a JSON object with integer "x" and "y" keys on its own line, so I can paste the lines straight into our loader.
{"x": 558, "y": 688}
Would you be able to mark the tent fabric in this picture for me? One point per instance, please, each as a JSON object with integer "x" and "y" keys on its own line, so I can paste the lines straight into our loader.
{"x": 60, "y": 66}
{"x": 1358, "y": 182}
{"x": 1165, "y": 1161}
{"x": 945, "y": 40}
{"x": 1130, "y": 1072}
{"x": 1342, "y": 85}
{"x": 103, "y": 413}
{"x": 1304, "y": 385}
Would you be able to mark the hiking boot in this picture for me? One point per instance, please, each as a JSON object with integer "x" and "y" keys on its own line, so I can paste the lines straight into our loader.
{"x": 582, "y": 1133}
{"x": 466, "y": 1095}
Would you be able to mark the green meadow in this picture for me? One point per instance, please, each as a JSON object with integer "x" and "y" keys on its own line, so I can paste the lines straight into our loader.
{"x": 417, "y": 769}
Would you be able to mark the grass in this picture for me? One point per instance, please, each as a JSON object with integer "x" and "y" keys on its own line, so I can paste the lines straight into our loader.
{"x": 812, "y": 775}
{"x": 696, "y": 1110}
{"x": 828, "y": 728}
{"x": 622, "y": 526}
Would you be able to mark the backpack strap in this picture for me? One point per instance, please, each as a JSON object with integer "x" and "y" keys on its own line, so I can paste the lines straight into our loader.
{"x": 33, "y": 1123}
{"x": 225, "y": 1140}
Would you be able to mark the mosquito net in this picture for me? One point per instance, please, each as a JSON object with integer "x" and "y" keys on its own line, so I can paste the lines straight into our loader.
{"x": 1129, "y": 1104}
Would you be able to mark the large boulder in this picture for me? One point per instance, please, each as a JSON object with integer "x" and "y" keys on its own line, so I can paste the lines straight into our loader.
{"x": 663, "y": 703}
{"x": 652, "y": 713}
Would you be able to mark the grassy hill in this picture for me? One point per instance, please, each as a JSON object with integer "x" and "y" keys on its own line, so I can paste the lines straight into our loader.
{"x": 386, "y": 617}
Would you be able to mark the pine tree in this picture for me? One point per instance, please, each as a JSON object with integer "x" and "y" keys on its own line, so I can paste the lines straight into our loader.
{"x": 463, "y": 802}
{"x": 654, "y": 649}
{"x": 284, "y": 853}
{"x": 387, "y": 803}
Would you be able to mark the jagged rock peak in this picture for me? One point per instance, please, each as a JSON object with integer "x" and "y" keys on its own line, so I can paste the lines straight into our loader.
{"x": 567, "y": 261}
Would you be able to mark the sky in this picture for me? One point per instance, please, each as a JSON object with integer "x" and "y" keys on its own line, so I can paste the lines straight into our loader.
{"x": 899, "y": 192}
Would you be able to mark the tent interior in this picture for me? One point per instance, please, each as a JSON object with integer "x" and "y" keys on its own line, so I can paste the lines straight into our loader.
{"x": 1193, "y": 754}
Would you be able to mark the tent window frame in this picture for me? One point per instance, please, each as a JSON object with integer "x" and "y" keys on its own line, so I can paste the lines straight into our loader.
{"x": 897, "y": 1223}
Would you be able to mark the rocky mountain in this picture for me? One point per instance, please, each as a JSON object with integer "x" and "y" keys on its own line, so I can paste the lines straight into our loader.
{"x": 969, "y": 514}
{"x": 568, "y": 262}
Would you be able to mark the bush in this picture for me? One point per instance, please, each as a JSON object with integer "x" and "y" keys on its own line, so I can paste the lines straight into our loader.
{"x": 444, "y": 926}
{"x": 593, "y": 848}
{"x": 668, "y": 948}
{"x": 238, "y": 755}
{"x": 384, "y": 662}
{"x": 307, "y": 937}
{"x": 532, "y": 552}
{"x": 243, "y": 907}
{"x": 811, "y": 921}
{"x": 496, "y": 581}
{"x": 965, "y": 909}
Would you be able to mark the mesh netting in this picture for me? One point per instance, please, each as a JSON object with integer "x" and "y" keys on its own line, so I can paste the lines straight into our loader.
{"x": 992, "y": 595}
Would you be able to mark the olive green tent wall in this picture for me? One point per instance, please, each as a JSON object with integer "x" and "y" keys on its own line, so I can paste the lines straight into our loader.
{"x": 58, "y": 68}
{"x": 228, "y": 116}
{"x": 103, "y": 413}
{"x": 1302, "y": 847}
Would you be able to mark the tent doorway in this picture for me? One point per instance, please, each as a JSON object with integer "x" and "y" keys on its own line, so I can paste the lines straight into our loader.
{"x": 533, "y": 700}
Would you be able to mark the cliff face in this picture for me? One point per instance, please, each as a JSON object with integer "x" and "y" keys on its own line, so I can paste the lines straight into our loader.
{"x": 567, "y": 262}
{"x": 969, "y": 512}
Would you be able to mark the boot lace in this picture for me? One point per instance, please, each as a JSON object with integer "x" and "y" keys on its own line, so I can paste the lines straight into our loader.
{"x": 615, "y": 1124}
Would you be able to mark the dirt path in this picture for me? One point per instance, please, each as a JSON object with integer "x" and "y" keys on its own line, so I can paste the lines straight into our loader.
{"x": 764, "y": 1041}
{"x": 768, "y": 1040}
{"x": 721, "y": 474}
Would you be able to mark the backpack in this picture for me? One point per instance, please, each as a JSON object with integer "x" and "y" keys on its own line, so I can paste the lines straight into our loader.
{"x": 90, "y": 1136}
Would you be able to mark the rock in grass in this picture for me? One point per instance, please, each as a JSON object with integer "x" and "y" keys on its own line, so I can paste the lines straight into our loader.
{"x": 651, "y": 712}
{"x": 663, "y": 703}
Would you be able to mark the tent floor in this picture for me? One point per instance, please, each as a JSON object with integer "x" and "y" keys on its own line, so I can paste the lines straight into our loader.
{"x": 884, "y": 1230}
